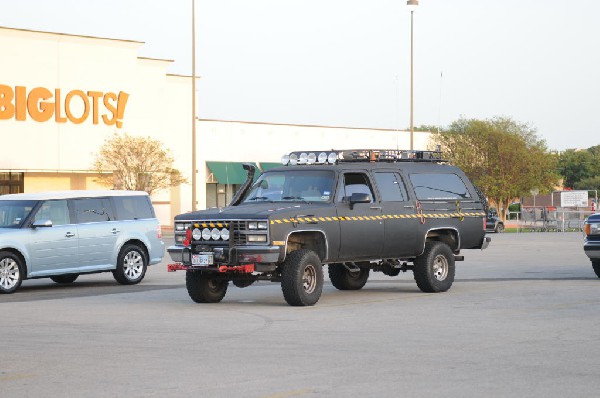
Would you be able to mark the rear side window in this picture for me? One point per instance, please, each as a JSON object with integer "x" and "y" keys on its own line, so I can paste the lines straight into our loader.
{"x": 436, "y": 186}
{"x": 391, "y": 187}
{"x": 92, "y": 210}
{"x": 133, "y": 207}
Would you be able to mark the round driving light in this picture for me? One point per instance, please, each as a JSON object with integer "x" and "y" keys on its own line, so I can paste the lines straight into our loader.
{"x": 293, "y": 159}
{"x": 285, "y": 159}
{"x": 206, "y": 234}
{"x": 196, "y": 234}
{"x": 312, "y": 158}
{"x": 215, "y": 234}
{"x": 332, "y": 157}
{"x": 303, "y": 158}
{"x": 322, "y": 157}
{"x": 225, "y": 234}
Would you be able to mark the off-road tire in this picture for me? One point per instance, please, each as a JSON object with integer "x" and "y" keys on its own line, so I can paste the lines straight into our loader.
{"x": 343, "y": 279}
{"x": 596, "y": 266}
{"x": 302, "y": 278}
{"x": 131, "y": 265}
{"x": 11, "y": 272}
{"x": 434, "y": 269}
{"x": 64, "y": 279}
{"x": 204, "y": 289}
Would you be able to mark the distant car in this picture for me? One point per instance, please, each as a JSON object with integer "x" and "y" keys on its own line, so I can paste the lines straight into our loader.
{"x": 60, "y": 235}
{"x": 591, "y": 244}
{"x": 493, "y": 223}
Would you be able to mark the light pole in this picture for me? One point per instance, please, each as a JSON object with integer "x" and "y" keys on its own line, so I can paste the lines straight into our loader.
{"x": 194, "y": 205}
{"x": 412, "y": 6}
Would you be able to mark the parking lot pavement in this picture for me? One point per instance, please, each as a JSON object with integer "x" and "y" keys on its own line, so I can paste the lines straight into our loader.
{"x": 521, "y": 320}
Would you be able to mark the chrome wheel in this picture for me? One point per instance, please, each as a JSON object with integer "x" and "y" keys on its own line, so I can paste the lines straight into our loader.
{"x": 10, "y": 274}
{"x": 133, "y": 265}
{"x": 309, "y": 279}
{"x": 440, "y": 267}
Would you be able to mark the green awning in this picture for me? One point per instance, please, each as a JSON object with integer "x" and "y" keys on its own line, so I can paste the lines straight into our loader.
{"x": 264, "y": 166}
{"x": 229, "y": 172}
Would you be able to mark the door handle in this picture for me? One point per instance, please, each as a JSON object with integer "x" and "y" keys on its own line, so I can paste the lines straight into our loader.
{"x": 409, "y": 207}
{"x": 375, "y": 207}
{"x": 115, "y": 231}
{"x": 69, "y": 235}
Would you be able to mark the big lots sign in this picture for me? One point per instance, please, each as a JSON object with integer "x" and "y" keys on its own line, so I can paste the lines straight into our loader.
{"x": 76, "y": 106}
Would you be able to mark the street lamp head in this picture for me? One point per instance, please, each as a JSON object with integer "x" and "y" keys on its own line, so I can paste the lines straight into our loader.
{"x": 412, "y": 5}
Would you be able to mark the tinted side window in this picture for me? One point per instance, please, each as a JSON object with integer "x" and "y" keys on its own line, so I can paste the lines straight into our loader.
{"x": 391, "y": 187}
{"x": 439, "y": 186}
{"x": 355, "y": 183}
{"x": 56, "y": 211}
{"x": 92, "y": 210}
{"x": 133, "y": 207}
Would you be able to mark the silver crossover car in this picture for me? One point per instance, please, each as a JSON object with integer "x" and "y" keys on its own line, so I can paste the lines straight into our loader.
{"x": 60, "y": 235}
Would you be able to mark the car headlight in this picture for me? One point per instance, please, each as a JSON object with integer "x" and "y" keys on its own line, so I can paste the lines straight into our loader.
{"x": 179, "y": 226}
{"x": 206, "y": 234}
{"x": 215, "y": 234}
{"x": 257, "y": 238}
{"x": 592, "y": 229}
{"x": 225, "y": 234}
{"x": 196, "y": 234}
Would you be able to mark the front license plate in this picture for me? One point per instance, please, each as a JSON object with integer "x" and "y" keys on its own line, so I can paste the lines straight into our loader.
{"x": 202, "y": 259}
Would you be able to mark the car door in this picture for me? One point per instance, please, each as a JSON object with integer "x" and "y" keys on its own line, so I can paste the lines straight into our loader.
{"x": 53, "y": 248}
{"x": 361, "y": 225}
{"x": 400, "y": 225}
{"x": 97, "y": 231}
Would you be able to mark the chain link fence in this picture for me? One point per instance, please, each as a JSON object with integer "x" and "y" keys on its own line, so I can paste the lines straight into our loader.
{"x": 541, "y": 219}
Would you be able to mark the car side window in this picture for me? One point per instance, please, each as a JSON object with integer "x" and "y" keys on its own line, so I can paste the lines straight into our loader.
{"x": 391, "y": 187}
{"x": 56, "y": 211}
{"x": 354, "y": 183}
{"x": 92, "y": 210}
{"x": 133, "y": 207}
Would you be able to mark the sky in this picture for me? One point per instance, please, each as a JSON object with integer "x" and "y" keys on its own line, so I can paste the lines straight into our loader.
{"x": 347, "y": 62}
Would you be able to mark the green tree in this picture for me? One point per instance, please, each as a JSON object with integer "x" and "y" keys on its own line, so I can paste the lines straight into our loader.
{"x": 504, "y": 158}
{"x": 137, "y": 163}
{"x": 579, "y": 165}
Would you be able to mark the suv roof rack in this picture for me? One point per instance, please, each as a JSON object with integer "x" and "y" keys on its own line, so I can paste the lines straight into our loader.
{"x": 389, "y": 155}
{"x": 361, "y": 155}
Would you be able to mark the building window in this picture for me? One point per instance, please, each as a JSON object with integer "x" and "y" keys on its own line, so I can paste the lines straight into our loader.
{"x": 11, "y": 182}
{"x": 220, "y": 195}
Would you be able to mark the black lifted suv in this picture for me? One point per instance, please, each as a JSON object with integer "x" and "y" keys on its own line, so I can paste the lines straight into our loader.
{"x": 356, "y": 211}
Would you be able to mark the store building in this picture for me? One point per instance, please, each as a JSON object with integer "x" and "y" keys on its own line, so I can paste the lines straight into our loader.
{"x": 62, "y": 96}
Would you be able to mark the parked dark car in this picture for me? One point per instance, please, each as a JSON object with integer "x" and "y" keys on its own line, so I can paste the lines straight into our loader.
{"x": 591, "y": 244}
{"x": 493, "y": 222}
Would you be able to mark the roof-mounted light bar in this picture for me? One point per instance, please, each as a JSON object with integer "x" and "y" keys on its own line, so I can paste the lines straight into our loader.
{"x": 360, "y": 155}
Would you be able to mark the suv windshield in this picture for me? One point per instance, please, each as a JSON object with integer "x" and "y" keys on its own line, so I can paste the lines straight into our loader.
{"x": 14, "y": 212}
{"x": 293, "y": 185}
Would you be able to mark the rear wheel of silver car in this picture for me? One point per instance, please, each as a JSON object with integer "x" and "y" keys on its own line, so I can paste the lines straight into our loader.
{"x": 500, "y": 228}
{"x": 344, "y": 279}
{"x": 434, "y": 269}
{"x": 64, "y": 279}
{"x": 596, "y": 266}
{"x": 302, "y": 278}
{"x": 11, "y": 274}
{"x": 204, "y": 289}
{"x": 131, "y": 265}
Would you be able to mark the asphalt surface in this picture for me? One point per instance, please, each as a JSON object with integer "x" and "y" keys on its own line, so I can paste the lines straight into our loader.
{"x": 521, "y": 320}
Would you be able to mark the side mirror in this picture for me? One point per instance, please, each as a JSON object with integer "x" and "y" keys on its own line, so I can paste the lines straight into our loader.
{"x": 359, "y": 198}
{"x": 41, "y": 224}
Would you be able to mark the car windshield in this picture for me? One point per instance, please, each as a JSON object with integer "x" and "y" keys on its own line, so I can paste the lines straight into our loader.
{"x": 292, "y": 185}
{"x": 14, "y": 212}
